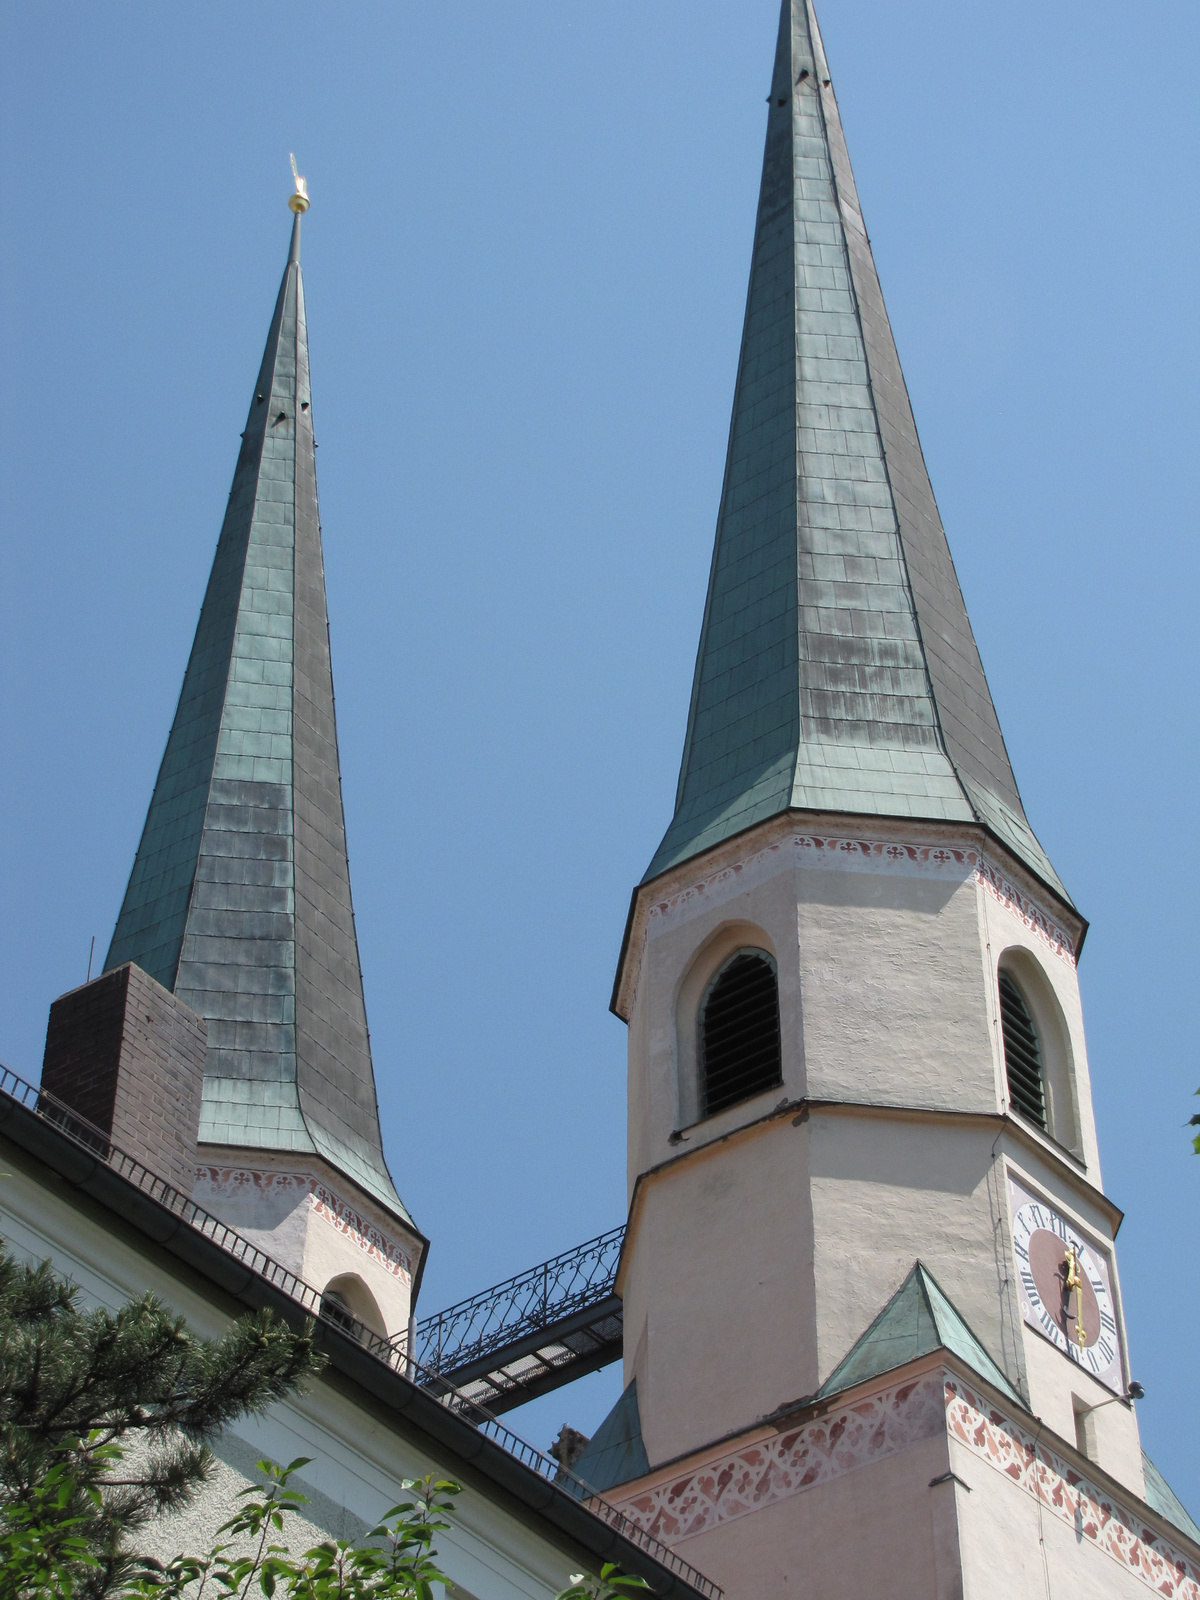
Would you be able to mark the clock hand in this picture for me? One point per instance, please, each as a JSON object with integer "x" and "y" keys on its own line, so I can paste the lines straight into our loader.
{"x": 1075, "y": 1281}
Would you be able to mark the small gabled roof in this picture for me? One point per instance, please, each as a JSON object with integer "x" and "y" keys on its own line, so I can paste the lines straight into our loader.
{"x": 919, "y": 1319}
{"x": 836, "y": 670}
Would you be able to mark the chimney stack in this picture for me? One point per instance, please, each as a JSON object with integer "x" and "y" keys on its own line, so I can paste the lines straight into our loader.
{"x": 126, "y": 1055}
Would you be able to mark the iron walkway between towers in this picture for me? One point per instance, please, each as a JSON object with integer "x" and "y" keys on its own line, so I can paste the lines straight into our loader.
{"x": 539, "y": 1330}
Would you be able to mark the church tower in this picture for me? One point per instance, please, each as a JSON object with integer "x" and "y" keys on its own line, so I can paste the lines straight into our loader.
{"x": 873, "y": 1331}
{"x": 239, "y": 899}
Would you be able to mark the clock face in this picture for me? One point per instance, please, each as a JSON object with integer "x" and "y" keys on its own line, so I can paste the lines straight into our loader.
{"x": 1065, "y": 1291}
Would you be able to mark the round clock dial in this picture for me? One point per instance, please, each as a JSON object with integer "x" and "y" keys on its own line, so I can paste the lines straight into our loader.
{"x": 1065, "y": 1288}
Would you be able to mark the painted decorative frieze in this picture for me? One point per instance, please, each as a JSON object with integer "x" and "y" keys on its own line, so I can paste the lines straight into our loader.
{"x": 1066, "y": 1494}
{"x": 855, "y": 852}
{"x": 367, "y": 1237}
{"x": 1028, "y": 911}
{"x": 784, "y": 1464}
{"x": 271, "y": 1192}
{"x": 882, "y": 1424}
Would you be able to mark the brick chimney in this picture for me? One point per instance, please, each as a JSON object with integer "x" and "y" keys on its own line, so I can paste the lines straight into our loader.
{"x": 128, "y": 1056}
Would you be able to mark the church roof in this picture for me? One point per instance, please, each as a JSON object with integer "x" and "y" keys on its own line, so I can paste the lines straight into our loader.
{"x": 239, "y": 899}
{"x": 837, "y": 670}
{"x": 918, "y": 1319}
{"x": 615, "y": 1452}
{"x": 1162, "y": 1498}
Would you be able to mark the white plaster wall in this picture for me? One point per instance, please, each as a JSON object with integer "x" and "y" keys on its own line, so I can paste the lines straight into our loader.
{"x": 759, "y": 1250}
{"x": 273, "y": 1217}
{"x": 1012, "y": 1550}
{"x": 719, "y": 1309}
{"x": 762, "y": 897}
{"x": 887, "y": 975}
{"x": 887, "y": 1191}
{"x": 359, "y": 1460}
{"x": 894, "y": 1009}
{"x": 329, "y": 1255}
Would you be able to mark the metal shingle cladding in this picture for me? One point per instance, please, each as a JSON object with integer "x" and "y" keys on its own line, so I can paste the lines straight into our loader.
{"x": 615, "y": 1453}
{"x": 837, "y": 670}
{"x": 918, "y": 1319}
{"x": 239, "y": 900}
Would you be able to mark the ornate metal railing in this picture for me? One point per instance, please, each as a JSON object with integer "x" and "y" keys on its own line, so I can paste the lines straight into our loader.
{"x": 94, "y": 1140}
{"x": 502, "y": 1317}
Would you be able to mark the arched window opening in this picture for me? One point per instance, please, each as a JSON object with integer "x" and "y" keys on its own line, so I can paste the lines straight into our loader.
{"x": 349, "y": 1304}
{"x": 1022, "y": 1053}
{"x": 334, "y": 1309}
{"x": 739, "y": 1032}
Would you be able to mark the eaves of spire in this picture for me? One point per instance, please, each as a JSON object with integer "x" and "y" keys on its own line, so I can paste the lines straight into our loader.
{"x": 239, "y": 899}
{"x": 837, "y": 670}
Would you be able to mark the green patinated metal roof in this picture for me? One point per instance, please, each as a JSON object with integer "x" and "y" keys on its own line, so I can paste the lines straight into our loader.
{"x": 615, "y": 1452}
{"x": 239, "y": 898}
{"x": 917, "y": 1320}
{"x": 1162, "y": 1498}
{"x": 837, "y": 670}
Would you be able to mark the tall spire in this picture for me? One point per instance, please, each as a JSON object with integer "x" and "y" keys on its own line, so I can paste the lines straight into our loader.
{"x": 837, "y": 670}
{"x": 239, "y": 899}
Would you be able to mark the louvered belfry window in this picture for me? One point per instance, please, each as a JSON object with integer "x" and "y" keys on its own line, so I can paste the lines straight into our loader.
{"x": 1022, "y": 1053}
{"x": 739, "y": 1032}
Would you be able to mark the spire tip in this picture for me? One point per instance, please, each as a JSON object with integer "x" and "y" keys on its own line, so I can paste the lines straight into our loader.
{"x": 298, "y": 199}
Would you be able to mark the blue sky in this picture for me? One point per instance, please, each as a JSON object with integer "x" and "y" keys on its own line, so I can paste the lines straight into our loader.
{"x": 525, "y": 268}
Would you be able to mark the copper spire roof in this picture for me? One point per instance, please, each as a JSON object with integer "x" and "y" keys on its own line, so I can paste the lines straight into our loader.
{"x": 837, "y": 670}
{"x": 239, "y": 898}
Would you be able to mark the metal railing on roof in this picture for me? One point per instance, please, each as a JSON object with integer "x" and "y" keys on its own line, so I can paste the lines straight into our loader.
{"x": 94, "y": 1140}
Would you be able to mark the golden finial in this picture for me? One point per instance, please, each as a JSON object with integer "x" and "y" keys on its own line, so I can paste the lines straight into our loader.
{"x": 298, "y": 199}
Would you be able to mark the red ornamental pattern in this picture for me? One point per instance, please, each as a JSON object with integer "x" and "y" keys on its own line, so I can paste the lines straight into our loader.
{"x": 331, "y": 1206}
{"x": 1034, "y": 918}
{"x": 702, "y": 886}
{"x": 1068, "y": 1495}
{"x": 882, "y": 1424}
{"x": 774, "y": 1468}
{"x": 893, "y": 851}
{"x": 365, "y": 1236}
